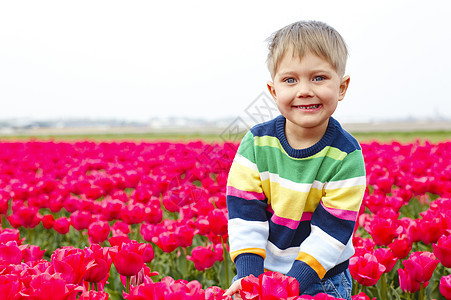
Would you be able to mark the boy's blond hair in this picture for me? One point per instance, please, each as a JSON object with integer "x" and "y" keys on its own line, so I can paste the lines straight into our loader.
{"x": 307, "y": 36}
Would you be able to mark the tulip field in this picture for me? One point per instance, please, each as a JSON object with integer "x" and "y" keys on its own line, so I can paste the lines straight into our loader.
{"x": 148, "y": 220}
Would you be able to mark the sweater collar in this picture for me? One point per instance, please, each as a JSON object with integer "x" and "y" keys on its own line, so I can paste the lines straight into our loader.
{"x": 302, "y": 153}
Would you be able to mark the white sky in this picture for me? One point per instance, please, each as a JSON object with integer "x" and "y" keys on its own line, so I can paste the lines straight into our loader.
{"x": 135, "y": 60}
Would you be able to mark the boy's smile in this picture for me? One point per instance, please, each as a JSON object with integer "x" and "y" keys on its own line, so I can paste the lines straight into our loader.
{"x": 306, "y": 92}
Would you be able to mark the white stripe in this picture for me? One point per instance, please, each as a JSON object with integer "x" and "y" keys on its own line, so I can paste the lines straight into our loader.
{"x": 351, "y": 182}
{"x": 292, "y": 251}
{"x": 245, "y": 162}
{"x": 326, "y": 238}
{"x": 295, "y": 186}
{"x": 247, "y": 234}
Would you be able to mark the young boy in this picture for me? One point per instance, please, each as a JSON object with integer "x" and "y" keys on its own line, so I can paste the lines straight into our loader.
{"x": 297, "y": 182}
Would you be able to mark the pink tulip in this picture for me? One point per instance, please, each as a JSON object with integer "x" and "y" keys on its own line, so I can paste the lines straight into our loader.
{"x": 407, "y": 283}
{"x": 386, "y": 257}
{"x": 9, "y": 287}
{"x": 442, "y": 250}
{"x": 445, "y": 286}
{"x": 94, "y": 295}
{"x": 362, "y": 296}
{"x": 32, "y": 253}
{"x": 127, "y": 263}
{"x": 46, "y": 286}
{"x": 382, "y": 230}
{"x": 202, "y": 257}
{"x": 11, "y": 253}
{"x": 421, "y": 265}
{"x": 80, "y": 219}
{"x": 70, "y": 262}
{"x": 366, "y": 269}
{"x": 61, "y": 225}
{"x": 98, "y": 232}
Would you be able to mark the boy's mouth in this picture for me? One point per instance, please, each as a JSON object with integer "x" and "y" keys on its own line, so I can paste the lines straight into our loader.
{"x": 308, "y": 107}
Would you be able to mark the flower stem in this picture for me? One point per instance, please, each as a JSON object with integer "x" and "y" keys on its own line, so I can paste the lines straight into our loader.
{"x": 421, "y": 297}
{"x": 384, "y": 286}
{"x": 226, "y": 264}
{"x": 127, "y": 287}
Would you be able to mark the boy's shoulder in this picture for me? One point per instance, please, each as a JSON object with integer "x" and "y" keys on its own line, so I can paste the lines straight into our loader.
{"x": 268, "y": 128}
{"x": 343, "y": 139}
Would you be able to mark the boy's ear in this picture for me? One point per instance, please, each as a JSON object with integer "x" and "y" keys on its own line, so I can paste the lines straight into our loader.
{"x": 272, "y": 90}
{"x": 343, "y": 87}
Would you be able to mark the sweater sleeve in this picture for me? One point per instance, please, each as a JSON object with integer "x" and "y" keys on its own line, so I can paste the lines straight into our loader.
{"x": 248, "y": 225}
{"x": 332, "y": 223}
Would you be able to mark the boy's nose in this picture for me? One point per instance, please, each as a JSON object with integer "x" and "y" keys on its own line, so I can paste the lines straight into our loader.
{"x": 304, "y": 90}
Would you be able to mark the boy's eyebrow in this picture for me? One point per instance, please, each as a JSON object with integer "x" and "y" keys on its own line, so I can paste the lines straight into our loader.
{"x": 319, "y": 70}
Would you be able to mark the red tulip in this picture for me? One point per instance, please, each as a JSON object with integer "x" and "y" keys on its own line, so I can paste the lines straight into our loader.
{"x": 98, "y": 232}
{"x": 98, "y": 263}
{"x": 10, "y": 234}
{"x": 80, "y": 219}
{"x": 127, "y": 263}
{"x": 269, "y": 285}
{"x": 217, "y": 219}
{"x": 94, "y": 295}
{"x": 250, "y": 288}
{"x": 432, "y": 228}
{"x": 401, "y": 247}
{"x": 9, "y": 287}
{"x": 445, "y": 286}
{"x": 27, "y": 217}
{"x": 442, "y": 250}
{"x": 202, "y": 257}
{"x": 382, "y": 230}
{"x": 47, "y": 221}
{"x": 70, "y": 262}
{"x": 361, "y": 296}
{"x": 167, "y": 242}
{"x": 11, "y": 253}
{"x": 61, "y": 225}
{"x": 46, "y": 286}
{"x": 32, "y": 253}
{"x": 184, "y": 235}
{"x": 4, "y": 201}
{"x": 407, "y": 283}
{"x": 215, "y": 293}
{"x": 133, "y": 213}
{"x": 366, "y": 269}
{"x": 386, "y": 258}
{"x": 421, "y": 265}
{"x": 275, "y": 285}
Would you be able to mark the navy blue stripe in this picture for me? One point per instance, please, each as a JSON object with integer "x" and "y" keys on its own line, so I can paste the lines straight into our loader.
{"x": 338, "y": 228}
{"x": 284, "y": 237}
{"x": 250, "y": 210}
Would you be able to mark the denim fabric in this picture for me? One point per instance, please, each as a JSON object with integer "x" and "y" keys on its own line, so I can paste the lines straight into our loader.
{"x": 339, "y": 286}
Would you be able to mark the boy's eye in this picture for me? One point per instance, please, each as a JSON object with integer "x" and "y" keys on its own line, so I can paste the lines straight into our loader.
{"x": 319, "y": 78}
{"x": 290, "y": 80}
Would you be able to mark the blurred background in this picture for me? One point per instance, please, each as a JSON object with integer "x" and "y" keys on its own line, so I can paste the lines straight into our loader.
{"x": 201, "y": 65}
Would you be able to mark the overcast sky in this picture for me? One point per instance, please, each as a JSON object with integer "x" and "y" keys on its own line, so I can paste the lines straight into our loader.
{"x": 135, "y": 60}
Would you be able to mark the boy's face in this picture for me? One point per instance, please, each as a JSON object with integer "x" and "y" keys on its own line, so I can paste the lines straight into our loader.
{"x": 307, "y": 92}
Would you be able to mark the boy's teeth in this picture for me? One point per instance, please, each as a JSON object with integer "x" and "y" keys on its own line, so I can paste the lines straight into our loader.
{"x": 310, "y": 106}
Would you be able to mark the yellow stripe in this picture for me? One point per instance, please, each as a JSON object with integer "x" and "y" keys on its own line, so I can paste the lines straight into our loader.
{"x": 244, "y": 178}
{"x": 271, "y": 141}
{"x": 313, "y": 263}
{"x": 288, "y": 203}
{"x": 257, "y": 251}
{"x": 344, "y": 198}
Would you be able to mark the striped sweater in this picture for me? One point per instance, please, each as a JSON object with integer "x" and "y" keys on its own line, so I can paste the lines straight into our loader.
{"x": 294, "y": 210}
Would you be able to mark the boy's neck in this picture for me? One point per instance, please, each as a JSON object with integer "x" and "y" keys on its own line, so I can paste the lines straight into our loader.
{"x": 302, "y": 138}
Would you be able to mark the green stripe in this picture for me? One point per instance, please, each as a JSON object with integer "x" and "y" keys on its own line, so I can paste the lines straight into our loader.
{"x": 271, "y": 141}
{"x": 322, "y": 166}
{"x": 246, "y": 147}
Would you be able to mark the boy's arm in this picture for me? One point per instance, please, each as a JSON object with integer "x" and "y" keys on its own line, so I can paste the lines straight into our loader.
{"x": 248, "y": 225}
{"x": 332, "y": 223}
